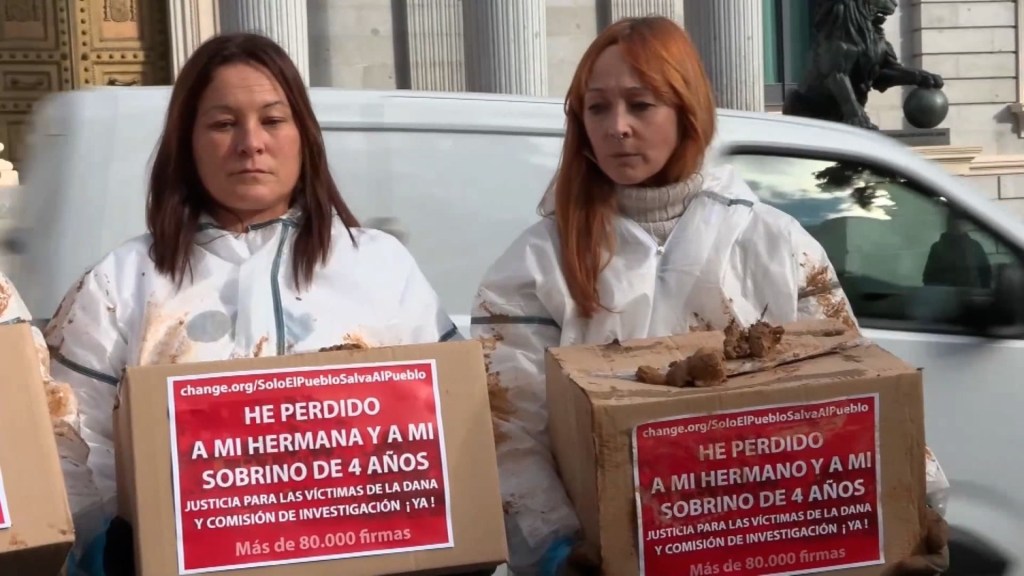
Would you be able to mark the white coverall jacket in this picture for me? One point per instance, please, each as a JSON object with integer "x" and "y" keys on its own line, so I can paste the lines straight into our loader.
{"x": 241, "y": 302}
{"x": 729, "y": 256}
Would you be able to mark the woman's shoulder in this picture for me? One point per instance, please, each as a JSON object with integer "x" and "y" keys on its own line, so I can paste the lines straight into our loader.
{"x": 541, "y": 235}
{"x": 369, "y": 251}
{"x": 371, "y": 242}
{"x": 534, "y": 252}
{"x": 125, "y": 262}
{"x": 725, "y": 181}
{"x": 774, "y": 231}
{"x": 766, "y": 218}
{"x": 110, "y": 282}
{"x": 131, "y": 252}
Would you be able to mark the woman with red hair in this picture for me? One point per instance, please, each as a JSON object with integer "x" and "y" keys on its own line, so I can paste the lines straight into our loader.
{"x": 642, "y": 236}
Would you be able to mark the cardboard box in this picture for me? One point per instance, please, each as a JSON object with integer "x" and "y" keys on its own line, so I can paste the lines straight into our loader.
{"x": 359, "y": 462}
{"x": 36, "y": 531}
{"x": 805, "y": 467}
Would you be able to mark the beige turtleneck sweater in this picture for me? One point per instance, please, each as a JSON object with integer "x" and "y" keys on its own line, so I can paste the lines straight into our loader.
{"x": 655, "y": 209}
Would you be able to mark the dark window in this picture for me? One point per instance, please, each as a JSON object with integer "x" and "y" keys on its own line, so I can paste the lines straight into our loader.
{"x": 907, "y": 259}
{"x": 787, "y": 45}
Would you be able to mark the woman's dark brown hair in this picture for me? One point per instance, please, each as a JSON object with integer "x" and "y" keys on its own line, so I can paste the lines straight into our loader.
{"x": 177, "y": 197}
{"x": 667, "y": 63}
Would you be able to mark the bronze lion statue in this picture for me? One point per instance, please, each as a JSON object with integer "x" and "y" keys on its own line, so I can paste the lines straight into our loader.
{"x": 850, "y": 56}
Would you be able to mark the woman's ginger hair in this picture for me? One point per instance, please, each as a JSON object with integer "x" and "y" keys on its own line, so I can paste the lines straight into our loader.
{"x": 666, "y": 62}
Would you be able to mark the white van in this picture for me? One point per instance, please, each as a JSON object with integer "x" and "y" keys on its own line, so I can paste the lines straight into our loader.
{"x": 459, "y": 175}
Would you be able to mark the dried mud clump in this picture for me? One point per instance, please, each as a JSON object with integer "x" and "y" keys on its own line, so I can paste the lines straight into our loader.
{"x": 822, "y": 286}
{"x": 5, "y": 295}
{"x": 764, "y": 338}
{"x": 737, "y": 344}
{"x": 758, "y": 341}
{"x": 60, "y": 400}
{"x": 350, "y": 342}
{"x": 705, "y": 368}
{"x": 650, "y": 375}
{"x": 345, "y": 346}
{"x": 503, "y": 410}
{"x": 257, "y": 350}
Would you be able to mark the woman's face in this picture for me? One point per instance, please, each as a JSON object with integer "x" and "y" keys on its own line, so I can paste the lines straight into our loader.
{"x": 632, "y": 133}
{"x": 246, "y": 145}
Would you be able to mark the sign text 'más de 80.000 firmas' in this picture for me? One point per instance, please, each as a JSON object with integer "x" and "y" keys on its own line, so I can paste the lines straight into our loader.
{"x": 771, "y": 490}
{"x": 313, "y": 463}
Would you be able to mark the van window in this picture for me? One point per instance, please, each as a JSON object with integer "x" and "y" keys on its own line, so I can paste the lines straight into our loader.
{"x": 457, "y": 198}
{"x": 907, "y": 259}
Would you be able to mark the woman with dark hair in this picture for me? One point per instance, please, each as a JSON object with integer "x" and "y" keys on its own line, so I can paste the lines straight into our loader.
{"x": 250, "y": 251}
{"x": 642, "y": 236}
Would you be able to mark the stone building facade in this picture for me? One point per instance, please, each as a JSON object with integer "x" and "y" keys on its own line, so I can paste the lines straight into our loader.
{"x": 754, "y": 51}
{"x": 976, "y": 46}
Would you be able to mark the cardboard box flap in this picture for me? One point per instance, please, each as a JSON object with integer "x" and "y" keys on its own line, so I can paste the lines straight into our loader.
{"x": 810, "y": 352}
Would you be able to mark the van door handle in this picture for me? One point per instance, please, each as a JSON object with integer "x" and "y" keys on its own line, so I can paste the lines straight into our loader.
{"x": 390, "y": 225}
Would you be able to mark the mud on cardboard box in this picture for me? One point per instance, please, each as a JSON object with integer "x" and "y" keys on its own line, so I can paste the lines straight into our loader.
{"x": 36, "y": 531}
{"x": 789, "y": 458}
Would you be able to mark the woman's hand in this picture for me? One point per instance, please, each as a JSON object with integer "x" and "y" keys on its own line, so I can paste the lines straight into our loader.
{"x": 935, "y": 558}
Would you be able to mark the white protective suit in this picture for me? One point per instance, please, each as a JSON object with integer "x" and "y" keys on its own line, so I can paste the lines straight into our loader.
{"x": 241, "y": 302}
{"x": 729, "y": 256}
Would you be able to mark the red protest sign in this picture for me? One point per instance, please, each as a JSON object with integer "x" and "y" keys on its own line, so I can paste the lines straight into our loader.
{"x": 5, "y": 515}
{"x": 781, "y": 489}
{"x": 293, "y": 465}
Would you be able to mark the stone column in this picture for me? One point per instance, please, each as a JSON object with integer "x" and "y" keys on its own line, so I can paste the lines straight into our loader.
{"x": 610, "y": 11}
{"x": 284, "y": 21}
{"x": 191, "y": 23}
{"x": 729, "y": 36}
{"x": 429, "y": 45}
{"x": 506, "y": 46}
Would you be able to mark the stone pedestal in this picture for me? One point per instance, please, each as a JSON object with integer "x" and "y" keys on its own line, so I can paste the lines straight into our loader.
{"x": 506, "y": 46}
{"x": 610, "y": 11}
{"x": 429, "y": 45}
{"x": 729, "y": 36}
{"x": 284, "y": 21}
{"x": 915, "y": 137}
{"x": 956, "y": 159}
